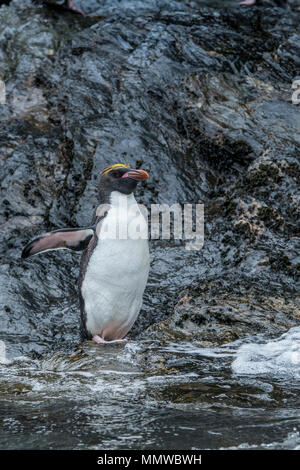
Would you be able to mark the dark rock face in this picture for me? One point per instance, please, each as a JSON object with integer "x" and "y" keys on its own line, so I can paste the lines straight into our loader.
{"x": 213, "y": 316}
{"x": 201, "y": 99}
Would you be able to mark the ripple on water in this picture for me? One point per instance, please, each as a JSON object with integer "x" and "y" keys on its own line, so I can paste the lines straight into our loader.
{"x": 292, "y": 442}
{"x": 145, "y": 391}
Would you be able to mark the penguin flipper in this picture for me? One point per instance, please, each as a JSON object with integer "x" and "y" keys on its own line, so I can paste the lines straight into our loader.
{"x": 76, "y": 239}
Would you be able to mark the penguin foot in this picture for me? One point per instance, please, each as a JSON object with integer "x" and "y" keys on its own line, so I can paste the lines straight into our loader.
{"x": 71, "y": 7}
{"x": 100, "y": 340}
{"x": 248, "y": 2}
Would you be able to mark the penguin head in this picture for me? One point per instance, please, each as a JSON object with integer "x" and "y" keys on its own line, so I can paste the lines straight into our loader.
{"x": 120, "y": 177}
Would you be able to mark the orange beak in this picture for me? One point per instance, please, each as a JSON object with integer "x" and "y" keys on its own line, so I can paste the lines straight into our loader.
{"x": 139, "y": 175}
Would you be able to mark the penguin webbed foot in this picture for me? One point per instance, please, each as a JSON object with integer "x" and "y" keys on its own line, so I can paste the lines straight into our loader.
{"x": 71, "y": 7}
{"x": 248, "y": 2}
{"x": 100, "y": 340}
{"x": 278, "y": 3}
{"x": 68, "y": 5}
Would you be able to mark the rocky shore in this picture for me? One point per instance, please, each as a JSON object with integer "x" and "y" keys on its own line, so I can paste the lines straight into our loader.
{"x": 202, "y": 99}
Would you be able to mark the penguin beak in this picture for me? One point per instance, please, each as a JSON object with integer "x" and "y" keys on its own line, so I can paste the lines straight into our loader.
{"x": 138, "y": 175}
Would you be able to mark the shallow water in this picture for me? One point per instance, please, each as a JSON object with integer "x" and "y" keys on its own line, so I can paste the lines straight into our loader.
{"x": 146, "y": 395}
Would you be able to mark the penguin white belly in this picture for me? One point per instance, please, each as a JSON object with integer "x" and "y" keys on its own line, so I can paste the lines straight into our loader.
{"x": 115, "y": 280}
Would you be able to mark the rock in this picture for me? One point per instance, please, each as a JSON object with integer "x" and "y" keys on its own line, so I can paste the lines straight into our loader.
{"x": 202, "y": 99}
{"x": 212, "y": 317}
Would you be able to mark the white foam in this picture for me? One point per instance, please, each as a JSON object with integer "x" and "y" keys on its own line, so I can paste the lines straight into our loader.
{"x": 292, "y": 442}
{"x": 192, "y": 349}
{"x": 280, "y": 357}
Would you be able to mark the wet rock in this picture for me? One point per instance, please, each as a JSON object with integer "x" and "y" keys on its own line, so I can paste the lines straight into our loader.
{"x": 211, "y": 317}
{"x": 202, "y": 99}
{"x": 10, "y": 389}
{"x": 201, "y": 394}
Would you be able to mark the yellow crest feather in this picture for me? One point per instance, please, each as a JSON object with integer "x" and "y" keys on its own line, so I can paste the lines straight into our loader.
{"x": 116, "y": 166}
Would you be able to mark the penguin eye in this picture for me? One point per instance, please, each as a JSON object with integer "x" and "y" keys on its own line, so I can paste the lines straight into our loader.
{"x": 117, "y": 174}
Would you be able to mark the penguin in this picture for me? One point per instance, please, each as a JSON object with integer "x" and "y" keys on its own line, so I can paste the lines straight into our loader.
{"x": 279, "y": 3}
{"x": 66, "y": 5}
{"x": 114, "y": 266}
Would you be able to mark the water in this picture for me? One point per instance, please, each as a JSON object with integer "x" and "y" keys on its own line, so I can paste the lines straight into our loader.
{"x": 279, "y": 358}
{"x": 151, "y": 395}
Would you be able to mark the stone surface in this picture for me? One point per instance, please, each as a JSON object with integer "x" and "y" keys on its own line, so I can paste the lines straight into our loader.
{"x": 201, "y": 98}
